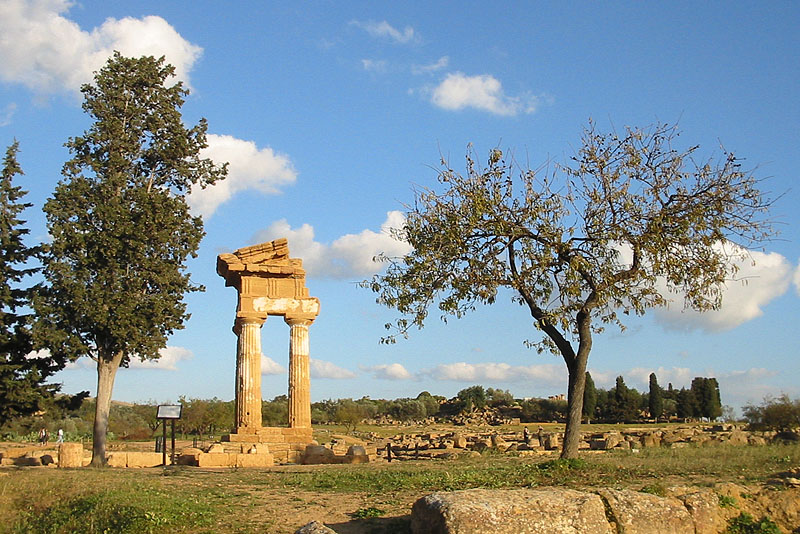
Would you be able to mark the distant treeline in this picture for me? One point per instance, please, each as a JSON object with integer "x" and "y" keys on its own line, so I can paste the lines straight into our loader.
{"x": 212, "y": 417}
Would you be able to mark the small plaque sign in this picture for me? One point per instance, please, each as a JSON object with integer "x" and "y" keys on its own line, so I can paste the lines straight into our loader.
{"x": 169, "y": 411}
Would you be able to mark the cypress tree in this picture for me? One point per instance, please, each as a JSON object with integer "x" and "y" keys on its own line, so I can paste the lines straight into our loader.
{"x": 656, "y": 398}
{"x": 121, "y": 229}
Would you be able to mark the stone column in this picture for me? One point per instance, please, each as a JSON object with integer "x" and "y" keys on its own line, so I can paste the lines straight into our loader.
{"x": 299, "y": 374}
{"x": 247, "y": 418}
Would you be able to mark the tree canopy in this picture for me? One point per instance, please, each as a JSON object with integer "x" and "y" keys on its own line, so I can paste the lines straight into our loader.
{"x": 120, "y": 226}
{"x": 22, "y": 375}
{"x": 627, "y": 220}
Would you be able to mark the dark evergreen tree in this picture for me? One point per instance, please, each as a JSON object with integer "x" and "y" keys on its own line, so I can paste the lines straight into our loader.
{"x": 22, "y": 376}
{"x": 706, "y": 394}
{"x": 687, "y": 404}
{"x": 656, "y": 398}
{"x": 625, "y": 402}
{"x": 121, "y": 229}
{"x": 589, "y": 398}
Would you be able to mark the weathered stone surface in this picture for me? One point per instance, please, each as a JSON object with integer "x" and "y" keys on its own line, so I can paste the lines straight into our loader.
{"x": 70, "y": 455}
{"x": 783, "y": 507}
{"x": 703, "y": 507}
{"x": 216, "y": 459}
{"x": 539, "y": 511}
{"x": 254, "y": 460}
{"x": 641, "y": 513}
{"x": 145, "y": 459}
{"x": 737, "y": 437}
{"x": 215, "y": 448}
{"x": 318, "y": 454}
{"x": 117, "y": 459}
{"x": 315, "y": 527}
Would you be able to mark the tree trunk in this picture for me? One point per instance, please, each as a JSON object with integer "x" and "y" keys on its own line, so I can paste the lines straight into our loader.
{"x": 106, "y": 372}
{"x": 577, "y": 383}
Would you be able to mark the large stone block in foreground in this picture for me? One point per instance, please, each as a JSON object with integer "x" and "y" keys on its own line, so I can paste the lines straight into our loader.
{"x": 70, "y": 455}
{"x": 538, "y": 511}
{"x": 641, "y": 513}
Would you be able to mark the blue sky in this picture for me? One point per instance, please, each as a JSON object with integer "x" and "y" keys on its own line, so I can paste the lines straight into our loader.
{"x": 330, "y": 112}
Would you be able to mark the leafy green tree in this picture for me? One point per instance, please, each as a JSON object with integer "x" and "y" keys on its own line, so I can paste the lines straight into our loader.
{"x": 499, "y": 397}
{"x": 22, "y": 376}
{"x": 578, "y": 245}
{"x": 655, "y": 398}
{"x": 781, "y": 414}
{"x": 589, "y": 398}
{"x": 472, "y": 398}
{"x": 431, "y": 403}
{"x": 349, "y": 414}
{"x": 120, "y": 226}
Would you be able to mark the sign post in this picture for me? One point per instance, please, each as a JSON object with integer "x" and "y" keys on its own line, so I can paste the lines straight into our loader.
{"x": 171, "y": 412}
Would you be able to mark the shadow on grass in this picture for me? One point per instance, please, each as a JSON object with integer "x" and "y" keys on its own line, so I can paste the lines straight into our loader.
{"x": 374, "y": 525}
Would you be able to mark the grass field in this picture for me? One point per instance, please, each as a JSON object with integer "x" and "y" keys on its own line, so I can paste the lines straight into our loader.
{"x": 366, "y": 498}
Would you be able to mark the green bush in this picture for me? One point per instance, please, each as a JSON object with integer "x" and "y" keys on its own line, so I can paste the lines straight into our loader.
{"x": 745, "y": 524}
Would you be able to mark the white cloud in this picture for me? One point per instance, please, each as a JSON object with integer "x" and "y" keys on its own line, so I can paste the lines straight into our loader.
{"x": 761, "y": 278}
{"x": 249, "y": 168}
{"x": 7, "y": 114}
{"x": 47, "y": 52}
{"x": 323, "y": 369}
{"x": 440, "y": 64}
{"x": 270, "y": 366}
{"x": 374, "y": 65}
{"x": 385, "y": 30}
{"x": 170, "y": 356}
{"x": 796, "y": 279}
{"x": 677, "y": 376}
{"x": 348, "y": 256}
{"x": 550, "y": 374}
{"x": 168, "y": 361}
{"x": 393, "y": 371}
{"x": 483, "y": 92}
{"x": 738, "y": 388}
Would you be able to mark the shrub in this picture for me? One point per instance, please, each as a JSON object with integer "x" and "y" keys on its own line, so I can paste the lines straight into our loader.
{"x": 781, "y": 414}
{"x": 745, "y": 524}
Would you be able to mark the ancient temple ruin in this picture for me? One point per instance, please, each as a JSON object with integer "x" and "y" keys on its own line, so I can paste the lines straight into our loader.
{"x": 270, "y": 283}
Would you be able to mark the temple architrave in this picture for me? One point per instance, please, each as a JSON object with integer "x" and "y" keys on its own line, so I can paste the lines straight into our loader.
{"x": 270, "y": 283}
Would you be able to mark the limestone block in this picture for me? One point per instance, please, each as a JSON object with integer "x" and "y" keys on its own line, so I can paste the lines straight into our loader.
{"x": 651, "y": 440}
{"x": 553, "y": 510}
{"x": 315, "y": 527}
{"x": 255, "y": 460}
{"x": 146, "y": 459}
{"x": 215, "y": 459}
{"x": 117, "y": 459}
{"x": 318, "y": 454}
{"x": 642, "y": 513}
{"x": 356, "y": 450}
{"x": 703, "y": 506}
{"x": 552, "y": 442}
{"x": 612, "y": 439}
{"x": 215, "y": 448}
{"x": 737, "y": 437}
